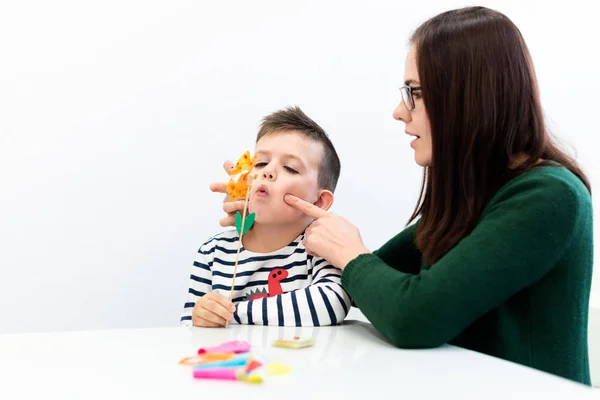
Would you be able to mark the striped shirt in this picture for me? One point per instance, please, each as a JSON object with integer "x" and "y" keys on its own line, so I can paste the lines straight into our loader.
{"x": 287, "y": 287}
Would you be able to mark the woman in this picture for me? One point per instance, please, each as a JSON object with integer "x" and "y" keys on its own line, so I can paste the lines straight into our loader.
{"x": 499, "y": 259}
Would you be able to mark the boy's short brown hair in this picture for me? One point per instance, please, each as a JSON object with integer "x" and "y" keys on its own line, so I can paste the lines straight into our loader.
{"x": 294, "y": 119}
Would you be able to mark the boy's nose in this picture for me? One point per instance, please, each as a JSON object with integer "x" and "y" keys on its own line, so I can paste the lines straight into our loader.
{"x": 268, "y": 176}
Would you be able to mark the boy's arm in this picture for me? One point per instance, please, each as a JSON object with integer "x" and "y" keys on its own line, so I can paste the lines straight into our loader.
{"x": 322, "y": 303}
{"x": 200, "y": 281}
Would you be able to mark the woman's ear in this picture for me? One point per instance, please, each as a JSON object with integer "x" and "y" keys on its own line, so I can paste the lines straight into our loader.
{"x": 325, "y": 200}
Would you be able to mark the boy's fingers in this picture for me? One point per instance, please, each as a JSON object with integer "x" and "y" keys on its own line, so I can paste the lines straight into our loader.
{"x": 227, "y": 221}
{"x": 203, "y": 314}
{"x": 224, "y": 302}
{"x": 208, "y": 324}
{"x": 203, "y": 322}
{"x": 227, "y": 165}
{"x": 218, "y": 187}
{"x": 219, "y": 310}
{"x": 197, "y": 321}
{"x": 307, "y": 208}
{"x": 231, "y": 207}
{"x": 208, "y": 314}
{"x": 221, "y": 187}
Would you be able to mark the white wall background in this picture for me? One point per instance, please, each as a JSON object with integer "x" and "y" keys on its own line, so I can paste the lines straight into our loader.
{"x": 115, "y": 116}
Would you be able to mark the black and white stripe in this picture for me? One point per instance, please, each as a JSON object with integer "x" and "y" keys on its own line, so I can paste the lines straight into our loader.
{"x": 313, "y": 294}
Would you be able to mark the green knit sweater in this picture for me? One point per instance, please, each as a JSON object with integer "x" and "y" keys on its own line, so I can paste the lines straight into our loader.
{"x": 516, "y": 288}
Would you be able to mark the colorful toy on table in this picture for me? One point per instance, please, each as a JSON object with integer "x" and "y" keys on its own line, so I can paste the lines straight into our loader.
{"x": 232, "y": 361}
{"x": 277, "y": 368}
{"x": 206, "y": 358}
{"x": 239, "y": 361}
{"x": 296, "y": 343}
{"x": 242, "y": 368}
{"x": 235, "y": 346}
{"x": 229, "y": 374}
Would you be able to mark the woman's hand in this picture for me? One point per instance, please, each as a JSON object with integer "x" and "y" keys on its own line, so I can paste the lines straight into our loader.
{"x": 330, "y": 236}
{"x": 229, "y": 206}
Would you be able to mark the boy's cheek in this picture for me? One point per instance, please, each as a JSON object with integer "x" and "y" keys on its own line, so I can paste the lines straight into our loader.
{"x": 298, "y": 190}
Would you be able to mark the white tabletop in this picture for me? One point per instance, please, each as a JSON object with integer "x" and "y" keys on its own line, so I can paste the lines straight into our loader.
{"x": 348, "y": 361}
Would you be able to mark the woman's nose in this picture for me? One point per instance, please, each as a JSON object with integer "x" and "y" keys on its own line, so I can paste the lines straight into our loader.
{"x": 401, "y": 113}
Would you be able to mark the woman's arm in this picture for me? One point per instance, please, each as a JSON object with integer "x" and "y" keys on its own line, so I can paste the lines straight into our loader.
{"x": 402, "y": 247}
{"x": 522, "y": 236}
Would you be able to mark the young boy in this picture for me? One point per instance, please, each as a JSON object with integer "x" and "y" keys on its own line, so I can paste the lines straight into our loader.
{"x": 277, "y": 281}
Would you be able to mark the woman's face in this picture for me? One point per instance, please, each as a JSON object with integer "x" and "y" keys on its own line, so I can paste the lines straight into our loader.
{"x": 416, "y": 120}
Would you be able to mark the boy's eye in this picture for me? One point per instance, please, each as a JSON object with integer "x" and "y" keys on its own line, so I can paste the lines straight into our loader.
{"x": 291, "y": 170}
{"x": 260, "y": 165}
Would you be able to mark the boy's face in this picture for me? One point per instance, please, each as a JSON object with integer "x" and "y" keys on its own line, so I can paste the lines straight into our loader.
{"x": 286, "y": 162}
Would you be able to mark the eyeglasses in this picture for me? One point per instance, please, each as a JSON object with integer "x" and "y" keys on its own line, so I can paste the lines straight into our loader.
{"x": 407, "y": 96}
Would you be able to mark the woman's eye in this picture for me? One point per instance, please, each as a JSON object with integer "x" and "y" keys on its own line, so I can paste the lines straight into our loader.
{"x": 260, "y": 165}
{"x": 417, "y": 95}
{"x": 291, "y": 170}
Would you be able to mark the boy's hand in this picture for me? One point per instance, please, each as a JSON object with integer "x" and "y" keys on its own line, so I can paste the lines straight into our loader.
{"x": 229, "y": 206}
{"x": 212, "y": 310}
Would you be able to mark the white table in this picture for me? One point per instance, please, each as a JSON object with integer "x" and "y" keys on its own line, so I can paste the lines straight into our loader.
{"x": 347, "y": 362}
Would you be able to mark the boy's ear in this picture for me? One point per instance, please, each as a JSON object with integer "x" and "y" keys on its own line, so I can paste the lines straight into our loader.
{"x": 325, "y": 200}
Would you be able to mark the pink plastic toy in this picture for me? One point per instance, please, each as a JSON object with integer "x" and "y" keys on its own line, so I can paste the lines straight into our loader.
{"x": 235, "y": 346}
{"x": 230, "y": 374}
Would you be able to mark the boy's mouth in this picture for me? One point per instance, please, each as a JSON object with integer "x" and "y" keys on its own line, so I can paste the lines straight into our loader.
{"x": 262, "y": 191}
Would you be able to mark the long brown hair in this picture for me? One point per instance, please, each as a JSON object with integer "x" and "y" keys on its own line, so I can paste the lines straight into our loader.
{"x": 481, "y": 95}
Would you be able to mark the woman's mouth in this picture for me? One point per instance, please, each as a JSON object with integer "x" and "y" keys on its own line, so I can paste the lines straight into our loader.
{"x": 415, "y": 138}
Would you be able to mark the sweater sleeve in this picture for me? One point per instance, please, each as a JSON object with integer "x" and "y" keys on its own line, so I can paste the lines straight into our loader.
{"x": 402, "y": 247}
{"x": 522, "y": 235}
